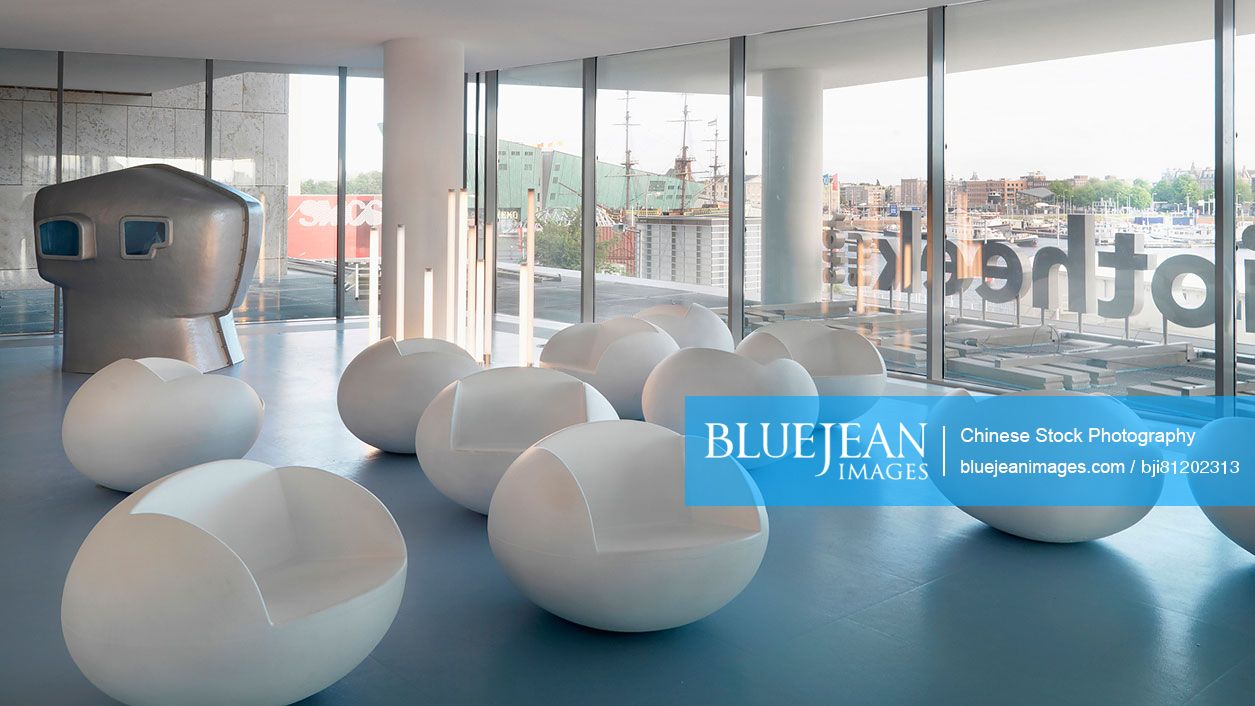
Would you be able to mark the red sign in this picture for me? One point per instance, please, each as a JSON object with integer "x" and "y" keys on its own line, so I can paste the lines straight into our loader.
{"x": 312, "y": 225}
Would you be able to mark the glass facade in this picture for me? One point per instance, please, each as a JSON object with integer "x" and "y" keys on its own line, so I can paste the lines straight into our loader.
{"x": 835, "y": 190}
{"x": 1244, "y": 185}
{"x": 124, "y": 111}
{"x": 539, "y": 133}
{"x": 275, "y": 137}
{"x": 363, "y": 188}
{"x": 1077, "y": 167}
{"x": 661, "y": 179}
{"x": 1081, "y": 224}
{"x": 28, "y": 161}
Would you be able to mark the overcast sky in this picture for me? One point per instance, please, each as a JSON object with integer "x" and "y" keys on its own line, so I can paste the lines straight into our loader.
{"x": 1130, "y": 114}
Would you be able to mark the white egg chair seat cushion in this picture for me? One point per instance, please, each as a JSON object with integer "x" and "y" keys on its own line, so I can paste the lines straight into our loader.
{"x": 476, "y": 427}
{"x": 614, "y": 356}
{"x": 841, "y": 362}
{"x": 135, "y": 421}
{"x": 691, "y": 325}
{"x": 233, "y": 583}
{"x": 1061, "y": 524}
{"x": 591, "y": 525}
{"x": 709, "y": 372}
{"x": 384, "y": 390}
{"x": 1216, "y": 441}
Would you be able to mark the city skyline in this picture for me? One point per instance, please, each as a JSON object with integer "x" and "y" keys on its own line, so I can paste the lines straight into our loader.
{"x": 1159, "y": 118}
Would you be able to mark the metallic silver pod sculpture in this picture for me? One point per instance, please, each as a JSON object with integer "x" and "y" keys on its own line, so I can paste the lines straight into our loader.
{"x": 152, "y": 259}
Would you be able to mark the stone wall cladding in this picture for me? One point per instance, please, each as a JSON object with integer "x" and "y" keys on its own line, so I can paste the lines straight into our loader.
{"x": 108, "y": 131}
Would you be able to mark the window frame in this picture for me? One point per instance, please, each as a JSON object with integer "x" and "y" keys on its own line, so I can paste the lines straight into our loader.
{"x": 152, "y": 250}
{"x": 86, "y": 237}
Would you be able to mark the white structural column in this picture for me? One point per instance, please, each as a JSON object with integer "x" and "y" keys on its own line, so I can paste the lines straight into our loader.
{"x": 793, "y": 113}
{"x": 423, "y": 134}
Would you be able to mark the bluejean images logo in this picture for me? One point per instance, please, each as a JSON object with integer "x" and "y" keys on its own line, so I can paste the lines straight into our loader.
{"x": 1041, "y": 450}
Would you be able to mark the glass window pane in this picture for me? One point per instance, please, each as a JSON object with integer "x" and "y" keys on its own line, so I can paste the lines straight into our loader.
{"x": 836, "y": 130}
{"x": 275, "y": 136}
{"x": 60, "y": 239}
{"x": 539, "y": 129}
{"x": 662, "y": 156}
{"x": 1244, "y": 184}
{"x": 364, "y": 196}
{"x": 1081, "y": 223}
{"x": 28, "y": 153}
{"x": 141, "y": 237}
{"x": 124, "y": 111}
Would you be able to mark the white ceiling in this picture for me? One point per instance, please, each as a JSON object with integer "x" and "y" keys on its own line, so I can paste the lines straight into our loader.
{"x": 497, "y": 33}
{"x": 978, "y": 35}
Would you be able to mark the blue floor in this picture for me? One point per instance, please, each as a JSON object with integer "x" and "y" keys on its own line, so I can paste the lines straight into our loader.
{"x": 311, "y": 295}
{"x": 861, "y": 606}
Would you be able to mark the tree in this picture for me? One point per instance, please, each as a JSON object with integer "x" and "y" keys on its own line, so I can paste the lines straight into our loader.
{"x": 560, "y": 245}
{"x": 1062, "y": 190}
{"x": 366, "y": 183}
{"x": 1164, "y": 191}
{"x": 360, "y": 183}
{"x": 1187, "y": 189}
{"x": 1140, "y": 196}
{"x": 315, "y": 186}
{"x": 1183, "y": 190}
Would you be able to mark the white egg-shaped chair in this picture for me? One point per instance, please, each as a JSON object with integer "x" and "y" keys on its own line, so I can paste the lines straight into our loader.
{"x": 1063, "y": 523}
{"x": 843, "y": 363}
{"x": 1227, "y": 439}
{"x": 709, "y": 372}
{"x": 590, "y": 524}
{"x": 384, "y": 390}
{"x": 135, "y": 421}
{"x": 614, "y": 356}
{"x": 476, "y": 427}
{"x": 691, "y": 325}
{"x": 233, "y": 583}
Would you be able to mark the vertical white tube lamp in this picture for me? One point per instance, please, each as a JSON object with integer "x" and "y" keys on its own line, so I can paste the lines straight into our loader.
{"x": 460, "y": 270}
{"x": 399, "y": 333}
{"x": 527, "y": 284}
{"x": 478, "y": 333}
{"x": 470, "y": 294}
{"x": 372, "y": 307}
{"x": 490, "y": 272}
{"x": 450, "y": 282}
{"x": 429, "y": 304}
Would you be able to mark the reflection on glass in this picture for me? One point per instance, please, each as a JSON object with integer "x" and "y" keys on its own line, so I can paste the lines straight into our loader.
{"x": 1244, "y": 184}
{"x": 123, "y": 111}
{"x": 1080, "y": 230}
{"x": 60, "y": 238}
{"x": 836, "y": 125}
{"x": 28, "y": 152}
{"x": 275, "y": 137}
{"x": 364, "y": 191}
{"x": 141, "y": 236}
{"x": 662, "y": 196}
{"x": 539, "y": 128}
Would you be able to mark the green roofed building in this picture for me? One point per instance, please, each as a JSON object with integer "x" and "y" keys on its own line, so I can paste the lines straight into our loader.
{"x": 557, "y": 177}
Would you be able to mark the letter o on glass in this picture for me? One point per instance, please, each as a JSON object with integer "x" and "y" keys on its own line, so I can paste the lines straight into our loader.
{"x": 1166, "y": 276}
